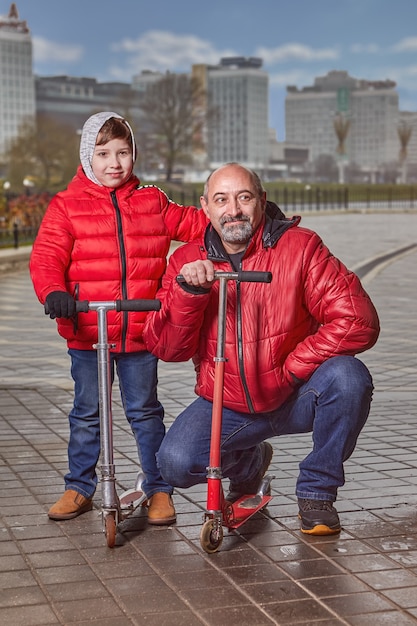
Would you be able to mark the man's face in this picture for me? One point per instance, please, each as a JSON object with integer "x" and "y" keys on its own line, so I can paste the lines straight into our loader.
{"x": 233, "y": 206}
{"x": 112, "y": 163}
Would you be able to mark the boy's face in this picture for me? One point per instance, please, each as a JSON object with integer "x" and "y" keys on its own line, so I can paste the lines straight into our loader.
{"x": 112, "y": 163}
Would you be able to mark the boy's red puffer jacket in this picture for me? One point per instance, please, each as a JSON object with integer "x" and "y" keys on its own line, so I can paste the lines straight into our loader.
{"x": 103, "y": 244}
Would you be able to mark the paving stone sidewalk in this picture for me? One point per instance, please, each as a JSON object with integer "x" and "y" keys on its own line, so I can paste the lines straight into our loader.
{"x": 268, "y": 572}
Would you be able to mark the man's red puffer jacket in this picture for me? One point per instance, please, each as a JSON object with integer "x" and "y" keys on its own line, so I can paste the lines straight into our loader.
{"x": 276, "y": 334}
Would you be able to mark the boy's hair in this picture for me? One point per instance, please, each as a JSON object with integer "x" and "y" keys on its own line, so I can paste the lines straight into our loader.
{"x": 114, "y": 128}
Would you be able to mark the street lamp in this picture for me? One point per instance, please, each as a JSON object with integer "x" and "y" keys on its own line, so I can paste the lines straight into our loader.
{"x": 28, "y": 185}
{"x": 6, "y": 189}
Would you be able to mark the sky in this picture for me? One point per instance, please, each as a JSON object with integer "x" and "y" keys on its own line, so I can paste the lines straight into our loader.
{"x": 298, "y": 40}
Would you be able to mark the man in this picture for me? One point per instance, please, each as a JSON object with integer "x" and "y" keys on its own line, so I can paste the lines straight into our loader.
{"x": 290, "y": 348}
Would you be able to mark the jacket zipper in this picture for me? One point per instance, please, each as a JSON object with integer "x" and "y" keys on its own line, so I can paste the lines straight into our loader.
{"x": 240, "y": 345}
{"x": 123, "y": 263}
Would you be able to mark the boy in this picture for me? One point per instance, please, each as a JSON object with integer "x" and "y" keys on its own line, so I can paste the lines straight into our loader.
{"x": 106, "y": 238}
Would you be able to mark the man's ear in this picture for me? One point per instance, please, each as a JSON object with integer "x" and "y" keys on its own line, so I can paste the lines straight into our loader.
{"x": 263, "y": 200}
{"x": 204, "y": 206}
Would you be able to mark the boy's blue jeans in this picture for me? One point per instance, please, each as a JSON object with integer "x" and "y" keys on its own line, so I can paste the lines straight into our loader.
{"x": 137, "y": 374}
{"x": 334, "y": 405}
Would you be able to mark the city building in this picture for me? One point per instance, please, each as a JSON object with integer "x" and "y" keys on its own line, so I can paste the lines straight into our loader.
{"x": 71, "y": 100}
{"x": 17, "y": 92}
{"x": 286, "y": 160}
{"x": 236, "y": 103}
{"x": 367, "y": 110}
{"x": 237, "y": 91}
{"x": 355, "y": 121}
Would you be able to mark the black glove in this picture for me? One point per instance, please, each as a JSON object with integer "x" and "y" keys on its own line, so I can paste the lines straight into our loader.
{"x": 59, "y": 304}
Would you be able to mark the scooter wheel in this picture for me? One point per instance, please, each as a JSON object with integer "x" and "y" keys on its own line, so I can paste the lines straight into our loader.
{"x": 211, "y": 536}
{"x": 110, "y": 528}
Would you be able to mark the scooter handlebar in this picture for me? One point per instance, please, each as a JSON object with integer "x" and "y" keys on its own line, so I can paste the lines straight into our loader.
{"x": 84, "y": 306}
{"x": 250, "y": 277}
{"x": 138, "y": 305}
{"x": 242, "y": 276}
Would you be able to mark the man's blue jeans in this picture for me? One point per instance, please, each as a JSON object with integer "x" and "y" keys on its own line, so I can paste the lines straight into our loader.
{"x": 137, "y": 373}
{"x": 334, "y": 405}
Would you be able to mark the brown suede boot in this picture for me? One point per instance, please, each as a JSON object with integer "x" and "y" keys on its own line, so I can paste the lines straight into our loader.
{"x": 70, "y": 505}
{"x": 161, "y": 509}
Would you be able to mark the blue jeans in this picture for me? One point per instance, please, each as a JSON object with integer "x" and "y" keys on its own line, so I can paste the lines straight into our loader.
{"x": 334, "y": 405}
{"x": 137, "y": 373}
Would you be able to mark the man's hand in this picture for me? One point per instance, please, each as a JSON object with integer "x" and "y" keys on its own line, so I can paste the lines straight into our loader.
{"x": 59, "y": 304}
{"x": 199, "y": 273}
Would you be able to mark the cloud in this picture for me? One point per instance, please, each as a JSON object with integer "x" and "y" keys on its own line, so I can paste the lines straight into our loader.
{"x": 404, "y": 76}
{"x": 296, "y": 51}
{"x": 160, "y": 50}
{"x": 409, "y": 44}
{"x": 47, "y": 51}
{"x": 366, "y": 48}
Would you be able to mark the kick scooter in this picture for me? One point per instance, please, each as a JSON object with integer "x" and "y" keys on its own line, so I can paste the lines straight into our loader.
{"x": 220, "y": 512}
{"x": 114, "y": 509}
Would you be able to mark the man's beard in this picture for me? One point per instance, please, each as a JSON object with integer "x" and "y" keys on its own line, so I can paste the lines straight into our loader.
{"x": 240, "y": 232}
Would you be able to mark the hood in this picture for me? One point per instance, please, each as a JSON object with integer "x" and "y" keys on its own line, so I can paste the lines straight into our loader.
{"x": 89, "y": 134}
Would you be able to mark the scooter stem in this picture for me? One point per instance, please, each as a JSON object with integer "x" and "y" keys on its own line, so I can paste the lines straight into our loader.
{"x": 214, "y": 475}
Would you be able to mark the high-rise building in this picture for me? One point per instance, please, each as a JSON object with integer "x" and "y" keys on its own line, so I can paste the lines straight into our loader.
{"x": 237, "y": 91}
{"x": 369, "y": 108}
{"x": 17, "y": 92}
{"x": 236, "y": 100}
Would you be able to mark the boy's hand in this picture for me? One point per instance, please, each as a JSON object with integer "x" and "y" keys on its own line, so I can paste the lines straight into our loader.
{"x": 199, "y": 273}
{"x": 59, "y": 304}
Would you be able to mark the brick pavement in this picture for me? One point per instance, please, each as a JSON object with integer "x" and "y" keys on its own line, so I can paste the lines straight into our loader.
{"x": 268, "y": 572}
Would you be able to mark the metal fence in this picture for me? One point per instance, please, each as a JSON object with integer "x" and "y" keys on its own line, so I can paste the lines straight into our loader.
{"x": 17, "y": 236}
{"x": 290, "y": 199}
{"x": 316, "y": 198}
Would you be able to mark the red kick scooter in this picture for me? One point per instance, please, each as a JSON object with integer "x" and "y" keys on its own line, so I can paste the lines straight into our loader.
{"x": 220, "y": 512}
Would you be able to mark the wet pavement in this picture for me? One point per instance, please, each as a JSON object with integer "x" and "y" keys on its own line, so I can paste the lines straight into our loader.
{"x": 265, "y": 573}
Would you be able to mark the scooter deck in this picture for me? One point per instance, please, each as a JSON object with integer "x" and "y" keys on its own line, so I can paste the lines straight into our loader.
{"x": 241, "y": 514}
{"x": 131, "y": 499}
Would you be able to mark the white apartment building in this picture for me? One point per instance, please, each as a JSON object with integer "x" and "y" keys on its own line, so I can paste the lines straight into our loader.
{"x": 370, "y": 107}
{"x": 17, "y": 91}
{"x": 237, "y": 101}
{"x": 237, "y": 90}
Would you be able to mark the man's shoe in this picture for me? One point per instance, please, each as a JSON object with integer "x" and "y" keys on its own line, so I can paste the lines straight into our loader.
{"x": 318, "y": 517}
{"x": 70, "y": 505}
{"x": 237, "y": 490}
{"x": 161, "y": 509}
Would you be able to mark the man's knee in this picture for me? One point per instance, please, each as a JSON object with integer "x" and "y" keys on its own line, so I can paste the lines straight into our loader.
{"x": 174, "y": 465}
{"x": 348, "y": 375}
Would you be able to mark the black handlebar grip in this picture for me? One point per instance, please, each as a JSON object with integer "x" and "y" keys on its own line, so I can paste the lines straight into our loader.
{"x": 242, "y": 276}
{"x": 138, "y": 305}
{"x": 81, "y": 306}
{"x": 254, "y": 277}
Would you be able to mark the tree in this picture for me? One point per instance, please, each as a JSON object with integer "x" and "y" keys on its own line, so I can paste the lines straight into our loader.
{"x": 176, "y": 114}
{"x": 46, "y": 151}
